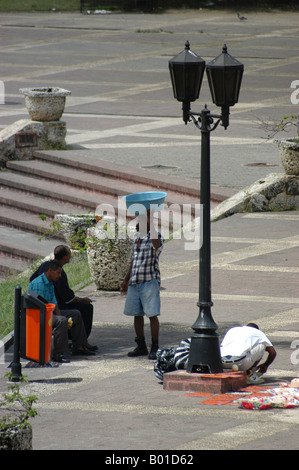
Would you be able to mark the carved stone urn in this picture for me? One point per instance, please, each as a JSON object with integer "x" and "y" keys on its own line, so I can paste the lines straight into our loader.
{"x": 45, "y": 103}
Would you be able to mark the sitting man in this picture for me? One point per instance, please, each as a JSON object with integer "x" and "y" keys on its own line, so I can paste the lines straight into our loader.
{"x": 244, "y": 346}
{"x": 44, "y": 286}
{"x": 65, "y": 296}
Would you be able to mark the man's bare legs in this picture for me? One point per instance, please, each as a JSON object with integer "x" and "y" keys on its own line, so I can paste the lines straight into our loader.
{"x": 141, "y": 349}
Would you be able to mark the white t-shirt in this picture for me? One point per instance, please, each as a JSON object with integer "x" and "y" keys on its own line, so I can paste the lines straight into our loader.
{"x": 241, "y": 339}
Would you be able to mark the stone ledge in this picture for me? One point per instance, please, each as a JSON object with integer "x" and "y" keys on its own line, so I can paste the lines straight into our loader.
{"x": 181, "y": 380}
{"x": 45, "y": 135}
{"x": 274, "y": 192}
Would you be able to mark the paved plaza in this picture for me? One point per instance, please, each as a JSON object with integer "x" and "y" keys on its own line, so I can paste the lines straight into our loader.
{"x": 122, "y": 110}
{"x": 122, "y": 106}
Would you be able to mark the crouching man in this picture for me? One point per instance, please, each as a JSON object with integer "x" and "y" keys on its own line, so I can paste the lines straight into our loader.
{"x": 244, "y": 346}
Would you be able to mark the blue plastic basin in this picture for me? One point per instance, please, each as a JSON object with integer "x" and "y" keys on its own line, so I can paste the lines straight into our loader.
{"x": 141, "y": 202}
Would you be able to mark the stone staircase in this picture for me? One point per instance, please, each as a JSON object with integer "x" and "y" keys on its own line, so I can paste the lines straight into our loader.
{"x": 68, "y": 182}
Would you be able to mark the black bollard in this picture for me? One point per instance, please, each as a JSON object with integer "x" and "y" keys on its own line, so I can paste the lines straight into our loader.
{"x": 16, "y": 367}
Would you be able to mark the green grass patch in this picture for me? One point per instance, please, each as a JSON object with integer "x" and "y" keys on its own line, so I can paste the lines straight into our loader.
{"x": 78, "y": 275}
{"x": 39, "y": 5}
{"x": 78, "y": 272}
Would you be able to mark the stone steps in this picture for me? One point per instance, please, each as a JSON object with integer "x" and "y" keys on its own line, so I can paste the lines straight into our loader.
{"x": 10, "y": 265}
{"x": 112, "y": 187}
{"x": 73, "y": 182}
{"x": 119, "y": 171}
{"x": 34, "y": 203}
{"x": 11, "y": 217}
{"x": 19, "y": 248}
{"x": 153, "y": 180}
{"x": 46, "y": 189}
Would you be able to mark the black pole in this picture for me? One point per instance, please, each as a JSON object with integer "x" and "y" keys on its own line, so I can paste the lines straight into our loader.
{"x": 205, "y": 299}
{"x": 204, "y": 348}
{"x": 16, "y": 367}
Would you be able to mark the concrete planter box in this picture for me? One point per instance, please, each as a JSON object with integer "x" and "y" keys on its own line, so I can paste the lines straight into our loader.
{"x": 289, "y": 155}
{"x": 45, "y": 103}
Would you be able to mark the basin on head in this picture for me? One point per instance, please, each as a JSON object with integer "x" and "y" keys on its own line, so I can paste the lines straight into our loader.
{"x": 141, "y": 202}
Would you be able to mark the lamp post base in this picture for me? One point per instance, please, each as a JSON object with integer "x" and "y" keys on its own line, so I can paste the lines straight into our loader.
{"x": 204, "y": 356}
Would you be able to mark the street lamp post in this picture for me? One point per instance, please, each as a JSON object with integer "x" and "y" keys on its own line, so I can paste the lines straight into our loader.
{"x": 224, "y": 76}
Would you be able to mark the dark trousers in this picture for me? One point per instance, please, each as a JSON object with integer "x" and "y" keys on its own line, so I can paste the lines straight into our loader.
{"x": 77, "y": 331}
{"x": 86, "y": 310}
{"x": 60, "y": 335}
{"x": 61, "y": 331}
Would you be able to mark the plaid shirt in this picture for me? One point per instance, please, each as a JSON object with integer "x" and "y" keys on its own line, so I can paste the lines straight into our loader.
{"x": 43, "y": 287}
{"x": 145, "y": 265}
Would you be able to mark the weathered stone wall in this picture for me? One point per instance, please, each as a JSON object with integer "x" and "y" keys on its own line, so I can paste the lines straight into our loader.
{"x": 44, "y": 135}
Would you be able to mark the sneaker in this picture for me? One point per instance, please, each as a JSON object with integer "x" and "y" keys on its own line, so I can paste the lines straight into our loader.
{"x": 254, "y": 378}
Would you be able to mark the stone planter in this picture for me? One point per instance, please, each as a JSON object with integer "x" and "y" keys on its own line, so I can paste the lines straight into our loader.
{"x": 74, "y": 228}
{"x": 16, "y": 438}
{"x": 45, "y": 103}
{"x": 109, "y": 258}
{"x": 289, "y": 155}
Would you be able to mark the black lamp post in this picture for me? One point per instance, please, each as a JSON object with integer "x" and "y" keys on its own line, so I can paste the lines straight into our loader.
{"x": 224, "y": 76}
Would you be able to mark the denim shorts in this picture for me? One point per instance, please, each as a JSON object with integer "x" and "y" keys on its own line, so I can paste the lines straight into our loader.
{"x": 143, "y": 299}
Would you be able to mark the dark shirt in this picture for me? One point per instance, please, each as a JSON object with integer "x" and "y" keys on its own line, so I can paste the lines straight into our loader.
{"x": 64, "y": 294}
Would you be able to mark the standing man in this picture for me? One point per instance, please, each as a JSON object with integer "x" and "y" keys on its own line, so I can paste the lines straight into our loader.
{"x": 142, "y": 285}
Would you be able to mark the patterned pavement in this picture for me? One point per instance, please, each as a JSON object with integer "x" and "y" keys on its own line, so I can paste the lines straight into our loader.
{"x": 122, "y": 110}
